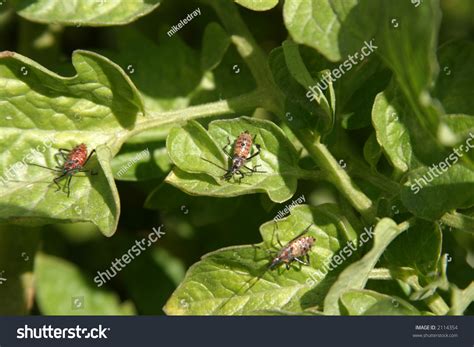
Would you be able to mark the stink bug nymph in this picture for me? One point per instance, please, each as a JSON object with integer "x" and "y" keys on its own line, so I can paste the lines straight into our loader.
{"x": 73, "y": 161}
{"x": 297, "y": 248}
{"x": 294, "y": 250}
{"x": 240, "y": 156}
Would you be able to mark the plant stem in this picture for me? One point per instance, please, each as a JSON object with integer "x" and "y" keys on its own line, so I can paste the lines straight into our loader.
{"x": 363, "y": 171}
{"x": 312, "y": 175}
{"x": 257, "y": 62}
{"x": 458, "y": 221}
{"x": 380, "y": 274}
{"x": 435, "y": 302}
{"x": 336, "y": 174}
{"x": 241, "y": 103}
{"x": 243, "y": 41}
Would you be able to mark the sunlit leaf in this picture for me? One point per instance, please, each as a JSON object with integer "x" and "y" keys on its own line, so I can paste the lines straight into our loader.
{"x": 195, "y": 150}
{"x": 236, "y": 280}
{"x": 42, "y": 112}
{"x": 62, "y": 289}
{"x": 85, "y": 12}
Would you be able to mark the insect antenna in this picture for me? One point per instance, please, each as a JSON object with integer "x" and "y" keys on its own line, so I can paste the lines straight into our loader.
{"x": 44, "y": 167}
{"x": 220, "y": 167}
{"x": 302, "y": 233}
{"x": 260, "y": 272}
{"x": 238, "y": 292}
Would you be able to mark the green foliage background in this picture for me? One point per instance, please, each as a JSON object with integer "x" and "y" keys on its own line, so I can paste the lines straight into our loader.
{"x": 107, "y": 74}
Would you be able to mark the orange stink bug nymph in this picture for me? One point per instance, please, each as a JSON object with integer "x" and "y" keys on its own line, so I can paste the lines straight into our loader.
{"x": 240, "y": 156}
{"x": 294, "y": 250}
{"x": 73, "y": 161}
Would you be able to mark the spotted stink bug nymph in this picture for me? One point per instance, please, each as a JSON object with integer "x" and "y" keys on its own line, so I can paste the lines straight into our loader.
{"x": 295, "y": 250}
{"x": 71, "y": 162}
{"x": 240, "y": 155}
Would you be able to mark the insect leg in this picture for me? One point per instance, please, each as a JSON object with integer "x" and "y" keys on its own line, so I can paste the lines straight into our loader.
{"x": 63, "y": 153}
{"x": 278, "y": 239}
{"x": 92, "y": 172}
{"x": 59, "y": 178}
{"x": 242, "y": 175}
{"x": 254, "y": 169}
{"x": 68, "y": 185}
{"x": 256, "y": 153}
{"x": 89, "y": 156}
{"x": 300, "y": 261}
{"x": 225, "y": 148}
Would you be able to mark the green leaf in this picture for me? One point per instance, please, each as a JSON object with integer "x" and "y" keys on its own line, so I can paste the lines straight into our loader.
{"x": 355, "y": 276}
{"x": 188, "y": 145}
{"x": 297, "y": 69}
{"x": 138, "y": 162}
{"x": 18, "y": 248}
{"x": 215, "y": 43}
{"x": 87, "y": 13}
{"x": 392, "y": 134}
{"x": 62, "y": 289}
{"x": 445, "y": 190}
{"x": 372, "y": 151}
{"x": 460, "y": 124}
{"x": 163, "y": 86}
{"x": 258, "y": 5}
{"x": 403, "y": 37}
{"x": 407, "y": 36}
{"x": 300, "y": 111}
{"x": 430, "y": 282}
{"x": 461, "y": 299}
{"x": 45, "y": 112}
{"x": 236, "y": 280}
{"x": 368, "y": 302}
{"x": 356, "y": 93}
{"x": 454, "y": 87}
{"x": 418, "y": 248}
{"x": 278, "y": 159}
{"x": 315, "y": 24}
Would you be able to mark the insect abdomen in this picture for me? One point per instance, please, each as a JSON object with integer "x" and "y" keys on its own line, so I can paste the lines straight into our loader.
{"x": 295, "y": 249}
{"x": 76, "y": 158}
{"x": 243, "y": 145}
{"x": 301, "y": 246}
